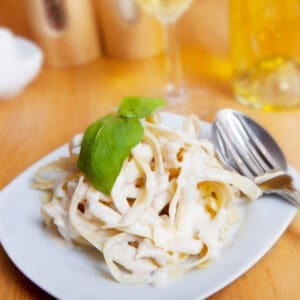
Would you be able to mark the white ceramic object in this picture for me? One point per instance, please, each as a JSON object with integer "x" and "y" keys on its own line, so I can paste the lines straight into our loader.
{"x": 20, "y": 62}
{"x": 67, "y": 272}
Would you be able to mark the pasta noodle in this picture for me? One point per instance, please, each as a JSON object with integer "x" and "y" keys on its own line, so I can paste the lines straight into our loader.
{"x": 168, "y": 212}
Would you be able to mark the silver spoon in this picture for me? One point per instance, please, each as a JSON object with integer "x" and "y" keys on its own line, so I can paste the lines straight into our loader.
{"x": 245, "y": 147}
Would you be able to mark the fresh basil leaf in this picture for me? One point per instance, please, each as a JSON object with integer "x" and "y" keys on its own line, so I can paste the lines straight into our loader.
{"x": 140, "y": 107}
{"x": 105, "y": 146}
{"x": 88, "y": 140}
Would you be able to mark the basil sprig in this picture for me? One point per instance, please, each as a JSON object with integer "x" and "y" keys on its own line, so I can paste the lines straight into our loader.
{"x": 139, "y": 107}
{"x": 108, "y": 141}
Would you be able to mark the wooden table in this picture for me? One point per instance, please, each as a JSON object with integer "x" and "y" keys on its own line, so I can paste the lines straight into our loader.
{"x": 60, "y": 103}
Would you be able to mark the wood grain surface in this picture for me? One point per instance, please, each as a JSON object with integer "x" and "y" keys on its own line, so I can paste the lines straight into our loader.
{"x": 62, "y": 102}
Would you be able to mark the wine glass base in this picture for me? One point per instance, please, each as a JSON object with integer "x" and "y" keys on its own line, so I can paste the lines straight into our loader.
{"x": 175, "y": 95}
{"x": 187, "y": 100}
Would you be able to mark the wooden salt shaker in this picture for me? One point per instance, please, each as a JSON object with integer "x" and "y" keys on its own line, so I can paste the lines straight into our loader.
{"x": 66, "y": 30}
{"x": 127, "y": 31}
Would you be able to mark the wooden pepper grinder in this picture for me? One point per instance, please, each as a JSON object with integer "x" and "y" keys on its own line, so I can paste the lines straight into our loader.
{"x": 66, "y": 30}
{"x": 127, "y": 31}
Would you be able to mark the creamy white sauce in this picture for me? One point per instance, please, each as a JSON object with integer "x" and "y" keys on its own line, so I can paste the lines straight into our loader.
{"x": 129, "y": 226}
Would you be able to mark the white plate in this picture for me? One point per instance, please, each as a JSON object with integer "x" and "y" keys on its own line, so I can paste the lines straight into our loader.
{"x": 67, "y": 272}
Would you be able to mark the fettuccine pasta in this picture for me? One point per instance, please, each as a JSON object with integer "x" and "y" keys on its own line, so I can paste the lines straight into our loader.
{"x": 168, "y": 212}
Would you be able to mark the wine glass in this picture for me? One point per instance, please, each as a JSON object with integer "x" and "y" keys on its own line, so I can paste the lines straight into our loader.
{"x": 168, "y": 12}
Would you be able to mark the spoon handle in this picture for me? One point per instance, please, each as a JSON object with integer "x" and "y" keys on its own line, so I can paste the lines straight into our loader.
{"x": 291, "y": 195}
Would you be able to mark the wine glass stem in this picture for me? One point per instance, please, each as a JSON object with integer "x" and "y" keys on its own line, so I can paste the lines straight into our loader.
{"x": 175, "y": 87}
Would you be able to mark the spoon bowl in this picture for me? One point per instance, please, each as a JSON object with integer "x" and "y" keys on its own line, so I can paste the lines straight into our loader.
{"x": 265, "y": 142}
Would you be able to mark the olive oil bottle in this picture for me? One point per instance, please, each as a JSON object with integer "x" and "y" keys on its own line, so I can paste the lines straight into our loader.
{"x": 265, "y": 48}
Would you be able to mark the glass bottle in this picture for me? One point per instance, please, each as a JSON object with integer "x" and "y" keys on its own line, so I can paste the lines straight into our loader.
{"x": 265, "y": 47}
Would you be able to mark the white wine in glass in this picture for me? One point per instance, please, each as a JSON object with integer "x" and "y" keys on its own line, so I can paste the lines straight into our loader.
{"x": 168, "y": 12}
{"x": 165, "y": 10}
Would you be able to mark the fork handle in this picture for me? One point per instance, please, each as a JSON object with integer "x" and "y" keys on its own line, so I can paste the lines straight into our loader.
{"x": 281, "y": 184}
{"x": 291, "y": 195}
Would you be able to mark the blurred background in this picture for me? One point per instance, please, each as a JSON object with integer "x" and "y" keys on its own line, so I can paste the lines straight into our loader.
{"x": 262, "y": 67}
{"x": 195, "y": 33}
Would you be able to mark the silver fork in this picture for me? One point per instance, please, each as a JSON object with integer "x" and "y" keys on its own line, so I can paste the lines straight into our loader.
{"x": 245, "y": 147}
